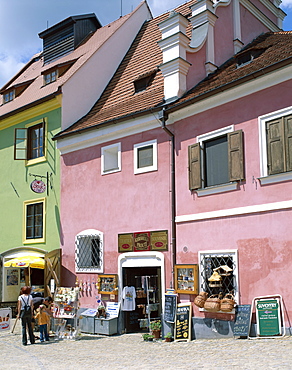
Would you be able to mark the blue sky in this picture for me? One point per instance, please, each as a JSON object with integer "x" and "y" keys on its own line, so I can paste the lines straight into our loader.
{"x": 22, "y": 20}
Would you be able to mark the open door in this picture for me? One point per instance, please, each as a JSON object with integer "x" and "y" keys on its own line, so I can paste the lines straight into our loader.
{"x": 52, "y": 270}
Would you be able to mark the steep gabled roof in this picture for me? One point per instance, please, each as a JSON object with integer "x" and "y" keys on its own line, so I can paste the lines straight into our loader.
{"x": 119, "y": 100}
{"x": 34, "y": 70}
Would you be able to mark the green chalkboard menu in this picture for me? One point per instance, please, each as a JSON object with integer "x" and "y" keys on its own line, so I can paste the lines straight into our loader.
{"x": 183, "y": 328}
{"x": 170, "y": 308}
{"x": 242, "y": 320}
{"x": 268, "y": 317}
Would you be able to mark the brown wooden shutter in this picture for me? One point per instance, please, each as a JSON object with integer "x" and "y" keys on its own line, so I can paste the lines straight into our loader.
{"x": 195, "y": 179}
{"x": 288, "y": 141}
{"x": 275, "y": 146}
{"x": 235, "y": 156}
{"x": 20, "y": 144}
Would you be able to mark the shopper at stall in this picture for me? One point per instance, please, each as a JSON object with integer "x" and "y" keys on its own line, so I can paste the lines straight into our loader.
{"x": 25, "y": 312}
{"x": 43, "y": 321}
{"x": 48, "y": 301}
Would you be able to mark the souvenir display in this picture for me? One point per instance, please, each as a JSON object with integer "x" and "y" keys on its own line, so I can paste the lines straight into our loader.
{"x": 186, "y": 279}
{"x": 65, "y": 313}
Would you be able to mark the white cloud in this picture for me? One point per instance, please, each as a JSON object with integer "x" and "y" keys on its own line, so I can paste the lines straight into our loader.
{"x": 9, "y": 66}
{"x": 286, "y": 4}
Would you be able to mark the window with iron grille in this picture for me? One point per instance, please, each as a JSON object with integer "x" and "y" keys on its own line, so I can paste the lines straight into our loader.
{"x": 89, "y": 252}
{"x": 225, "y": 263}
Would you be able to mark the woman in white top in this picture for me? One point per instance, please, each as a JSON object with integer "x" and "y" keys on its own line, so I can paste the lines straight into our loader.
{"x": 25, "y": 312}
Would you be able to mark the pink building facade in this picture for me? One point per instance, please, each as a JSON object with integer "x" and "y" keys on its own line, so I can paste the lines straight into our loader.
{"x": 172, "y": 169}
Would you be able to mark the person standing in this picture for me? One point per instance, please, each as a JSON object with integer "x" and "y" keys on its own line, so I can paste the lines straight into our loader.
{"x": 43, "y": 320}
{"x": 25, "y": 312}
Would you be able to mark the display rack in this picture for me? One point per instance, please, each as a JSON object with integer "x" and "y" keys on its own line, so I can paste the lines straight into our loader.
{"x": 186, "y": 279}
{"x": 107, "y": 284}
{"x": 66, "y": 321}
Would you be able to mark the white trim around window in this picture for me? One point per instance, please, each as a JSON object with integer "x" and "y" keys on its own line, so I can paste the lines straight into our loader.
{"x": 149, "y": 168}
{"x": 262, "y": 123}
{"x": 111, "y": 158}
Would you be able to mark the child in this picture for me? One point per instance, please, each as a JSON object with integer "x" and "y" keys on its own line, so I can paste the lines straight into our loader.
{"x": 43, "y": 320}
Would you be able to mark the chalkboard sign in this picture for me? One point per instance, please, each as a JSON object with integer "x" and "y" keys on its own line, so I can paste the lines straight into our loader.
{"x": 170, "y": 308}
{"x": 183, "y": 322}
{"x": 242, "y": 320}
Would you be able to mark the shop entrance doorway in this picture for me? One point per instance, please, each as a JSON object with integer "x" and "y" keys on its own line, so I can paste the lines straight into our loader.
{"x": 147, "y": 284}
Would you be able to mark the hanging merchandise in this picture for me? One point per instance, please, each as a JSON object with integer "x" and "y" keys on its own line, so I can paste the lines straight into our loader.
{"x": 224, "y": 270}
{"x": 129, "y": 296}
{"x": 215, "y": 280}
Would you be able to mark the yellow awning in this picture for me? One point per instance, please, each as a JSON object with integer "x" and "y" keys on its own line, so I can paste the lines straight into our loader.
{"x": 26, "y": 261}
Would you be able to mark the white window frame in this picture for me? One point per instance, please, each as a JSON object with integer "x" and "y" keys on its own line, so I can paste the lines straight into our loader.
{"x": 262, "y": 124}
{"x": 154, "y": 167}
{"x": 86, "y": 234}
{"x": 234, "y": 253}
{"x": 220, "y": 187}
{"x": 106, "y": 153}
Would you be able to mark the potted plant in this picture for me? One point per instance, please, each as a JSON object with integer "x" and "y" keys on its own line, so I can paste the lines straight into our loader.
{"x": 101, "y": 311}
{"x": 155, "y": 327}
{"x": 147, "y": 337}
{"x": 168, "y": 337}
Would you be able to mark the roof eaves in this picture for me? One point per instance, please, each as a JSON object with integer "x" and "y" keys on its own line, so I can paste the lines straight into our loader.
{"x": 32, "y": 104}
{"x": 64, "y": 134}
{"x": 180, "y": 104}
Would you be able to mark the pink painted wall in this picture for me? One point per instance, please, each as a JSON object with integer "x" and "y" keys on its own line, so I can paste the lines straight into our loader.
{"x": 114, "y": 203}
{"x": 223, "y": 34}
{"x": 250, "y": 26}
{"x": 263, "y": 240}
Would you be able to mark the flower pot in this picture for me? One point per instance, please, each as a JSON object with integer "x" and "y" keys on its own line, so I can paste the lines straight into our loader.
{"x": 168, "y": 339}
{"x": 156, "y": 333}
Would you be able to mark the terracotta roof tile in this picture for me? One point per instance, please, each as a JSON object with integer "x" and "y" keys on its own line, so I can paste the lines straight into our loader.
{"x": 276, "y": 47}
{"x": 119, "y": 100}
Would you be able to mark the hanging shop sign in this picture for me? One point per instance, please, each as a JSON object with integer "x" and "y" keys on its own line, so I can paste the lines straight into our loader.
{"x": 38, "y": 186}
{"x": 143, "y": 241}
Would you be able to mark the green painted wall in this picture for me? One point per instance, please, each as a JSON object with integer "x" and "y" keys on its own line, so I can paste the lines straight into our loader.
{"x": 16, "y": 174}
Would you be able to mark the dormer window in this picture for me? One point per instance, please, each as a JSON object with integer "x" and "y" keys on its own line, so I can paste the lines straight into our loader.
{"x": 8, "y": 96}
{"x": 144, "y": 81}
{"x": 50, "y": 77}
{"x": 247, "y": 57}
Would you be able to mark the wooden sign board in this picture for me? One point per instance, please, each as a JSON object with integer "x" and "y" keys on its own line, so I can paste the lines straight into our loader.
{"x": 242, "y": 320}
{"x": 183, "y": 329}
{"x": 170, "y": 307}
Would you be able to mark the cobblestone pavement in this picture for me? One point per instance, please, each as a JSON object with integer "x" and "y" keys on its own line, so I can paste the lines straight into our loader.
{"x": 129, "y": 351}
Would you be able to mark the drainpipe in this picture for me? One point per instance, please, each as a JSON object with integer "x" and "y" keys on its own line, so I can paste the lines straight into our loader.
{"x": 163, "y": 117}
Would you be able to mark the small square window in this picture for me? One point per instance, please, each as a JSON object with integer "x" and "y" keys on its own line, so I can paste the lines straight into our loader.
{"x": 9, "y": 96}
{"x": 111, "y": 158}
{"x": 145, "y": 157}
{"x": 50, "y": 77}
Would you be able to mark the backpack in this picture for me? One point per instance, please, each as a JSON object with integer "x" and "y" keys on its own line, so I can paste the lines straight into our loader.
{"x": 26, "y": 310}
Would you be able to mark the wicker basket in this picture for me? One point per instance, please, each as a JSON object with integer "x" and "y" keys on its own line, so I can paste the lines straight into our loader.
{"x": 212, "y": 303}
{"x": 227, "y": 303}
{"x": 200, "y": 299}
